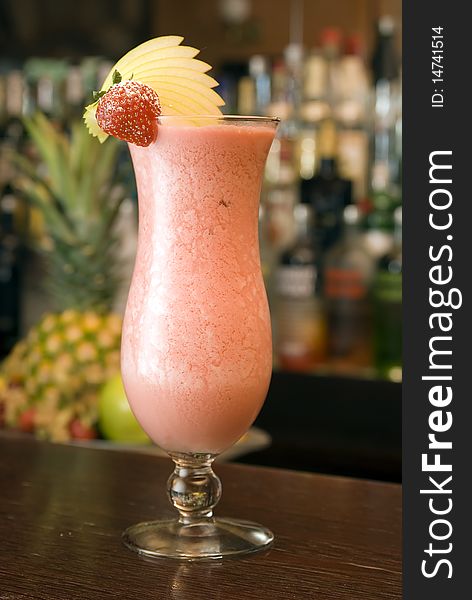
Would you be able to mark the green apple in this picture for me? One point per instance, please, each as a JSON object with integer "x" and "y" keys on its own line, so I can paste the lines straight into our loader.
{"x": 116, "y": 421}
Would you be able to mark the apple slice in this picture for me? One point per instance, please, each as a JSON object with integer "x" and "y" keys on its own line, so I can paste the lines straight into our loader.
{"x": 179, "y": 79}
{"x": 183, "y": 85}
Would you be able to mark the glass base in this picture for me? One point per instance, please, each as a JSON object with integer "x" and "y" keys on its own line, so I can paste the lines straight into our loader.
{"x": 203, "y": 540}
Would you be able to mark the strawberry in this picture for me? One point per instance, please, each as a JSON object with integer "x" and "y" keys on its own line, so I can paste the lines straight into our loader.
{"x": 129, "y": 111}
{"x": 81, "y": 431}
{"x": 26, "y": 420}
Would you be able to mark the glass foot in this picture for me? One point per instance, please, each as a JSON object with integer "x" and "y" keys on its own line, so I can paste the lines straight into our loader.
{"x": 207, "y": 539}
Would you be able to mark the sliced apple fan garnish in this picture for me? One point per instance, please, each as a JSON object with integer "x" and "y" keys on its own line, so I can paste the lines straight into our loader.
{"x": 173, "y": 72}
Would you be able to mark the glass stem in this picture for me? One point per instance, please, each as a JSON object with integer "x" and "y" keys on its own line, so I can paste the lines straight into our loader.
{"x": 193, "y": 488}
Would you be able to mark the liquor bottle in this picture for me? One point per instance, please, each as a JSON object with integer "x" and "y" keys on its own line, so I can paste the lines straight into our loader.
{"x": 74, "y": 94}
{"x": 348, "y": 272}
{"x": 314, "y": 109}
{"x": 315, "y": 104}
{"x": 294, "y": 58}
{"x": 279, "y": 105}
{"x": 300, "y": 327}
{"x": 282, "y": 163}
{"x": 277, "y": 226}
{"x": 50, "y": 86}
{"x": 260, "y": 75}
{"x": 385, "y": 62}
{"x": 9, "y": 273}
{"x": 331, "y": 38}
{"x": 12, "y": 133}
{"x": 327, "y": 192}
{"x": 386, "y": 70}
{"x": 229, "y": 75}
{"x": 387, "y": 299}
{"x": 3, "y": 100}
{"x": 379, "y": 219}
{"x": 281, "y": 189}
{"x": 351, "y": 117}
{"x": 246, "y": 96}
{"x": 385, "y": 192}
{"x": 387, "y": 100}
{"x": 281, "y": 167}
{"x": 13, "y": 138}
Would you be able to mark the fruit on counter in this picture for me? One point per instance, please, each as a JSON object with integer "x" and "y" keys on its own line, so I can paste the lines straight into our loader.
{"x": 172, "y": 71}
{"x": 116, "y": 421}
{"x": 26, "y": 421}
{"x": 81, "y": 431}
{"x": 56, "y": 372}
{"x": 61, "y": 364}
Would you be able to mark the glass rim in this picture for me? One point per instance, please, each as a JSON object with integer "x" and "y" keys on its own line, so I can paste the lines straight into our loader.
{"x": 236, "y": 118}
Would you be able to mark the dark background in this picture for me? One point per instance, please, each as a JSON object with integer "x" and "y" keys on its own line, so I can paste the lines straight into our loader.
{"x": 72, "y": 29}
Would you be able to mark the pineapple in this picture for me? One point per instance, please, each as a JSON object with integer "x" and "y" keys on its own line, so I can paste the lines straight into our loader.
{"x": 51, "y": 379}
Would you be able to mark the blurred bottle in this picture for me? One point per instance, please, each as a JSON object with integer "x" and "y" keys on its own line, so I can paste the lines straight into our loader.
{"x": 294, "y": 59}
{"x": 3, "y": 97}
{"x": 280, "y": 193}
{"x": 379, "y": 220}
{"x": 279, "y": 105}
{"x": 281, "y": 173}
{"x": 348, "y": 272}
{"x": 331, "y": 40}
{"x": 45, "y": 95}
{"x": 398, "y": 135}
{"x": 10, "y": 292}
{"x": 13, "y": 139}
{"x": 277, "y": 226}
{"x": 315, "y": 104}
{"x": 46, "y": 79}
{"x": 327, "y": 192}
{"x": 314, "y": 109}
{"x": 281, "y": 167}
{"x": 300, "y": 326}
{"x": 74, "y": 94}
{"x": 259, "y": 71}
{"x": 387, "y": 298}
{"x": 387, "y": 98}
{"x": 15, "y": 99}
{"x": 89, "y": 67}
{"x": 246, "y": 96}
{"x": 229, "y": 76}
{"x": 282, "y": 163}
{"x": 385, "y": 65}
{"x": 385, "y": 192}
{"x": 351, "y": 117}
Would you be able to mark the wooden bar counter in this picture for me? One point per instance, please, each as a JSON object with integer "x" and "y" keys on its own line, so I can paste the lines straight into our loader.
{"x": 63, "y": 508}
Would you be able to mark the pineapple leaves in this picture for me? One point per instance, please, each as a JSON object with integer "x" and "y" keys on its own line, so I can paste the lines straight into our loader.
{"x": 41, "y": 195}
{"x": 74, "y": 189}
{"x": 53, "y": 148}
{"x": 76, "y": 172}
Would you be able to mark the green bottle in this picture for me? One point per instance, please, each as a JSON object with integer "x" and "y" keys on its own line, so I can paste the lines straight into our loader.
{"x": 387, "y": 302}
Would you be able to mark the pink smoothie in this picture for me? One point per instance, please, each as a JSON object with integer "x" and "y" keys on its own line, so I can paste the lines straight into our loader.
{"x": 196, "y": 349}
